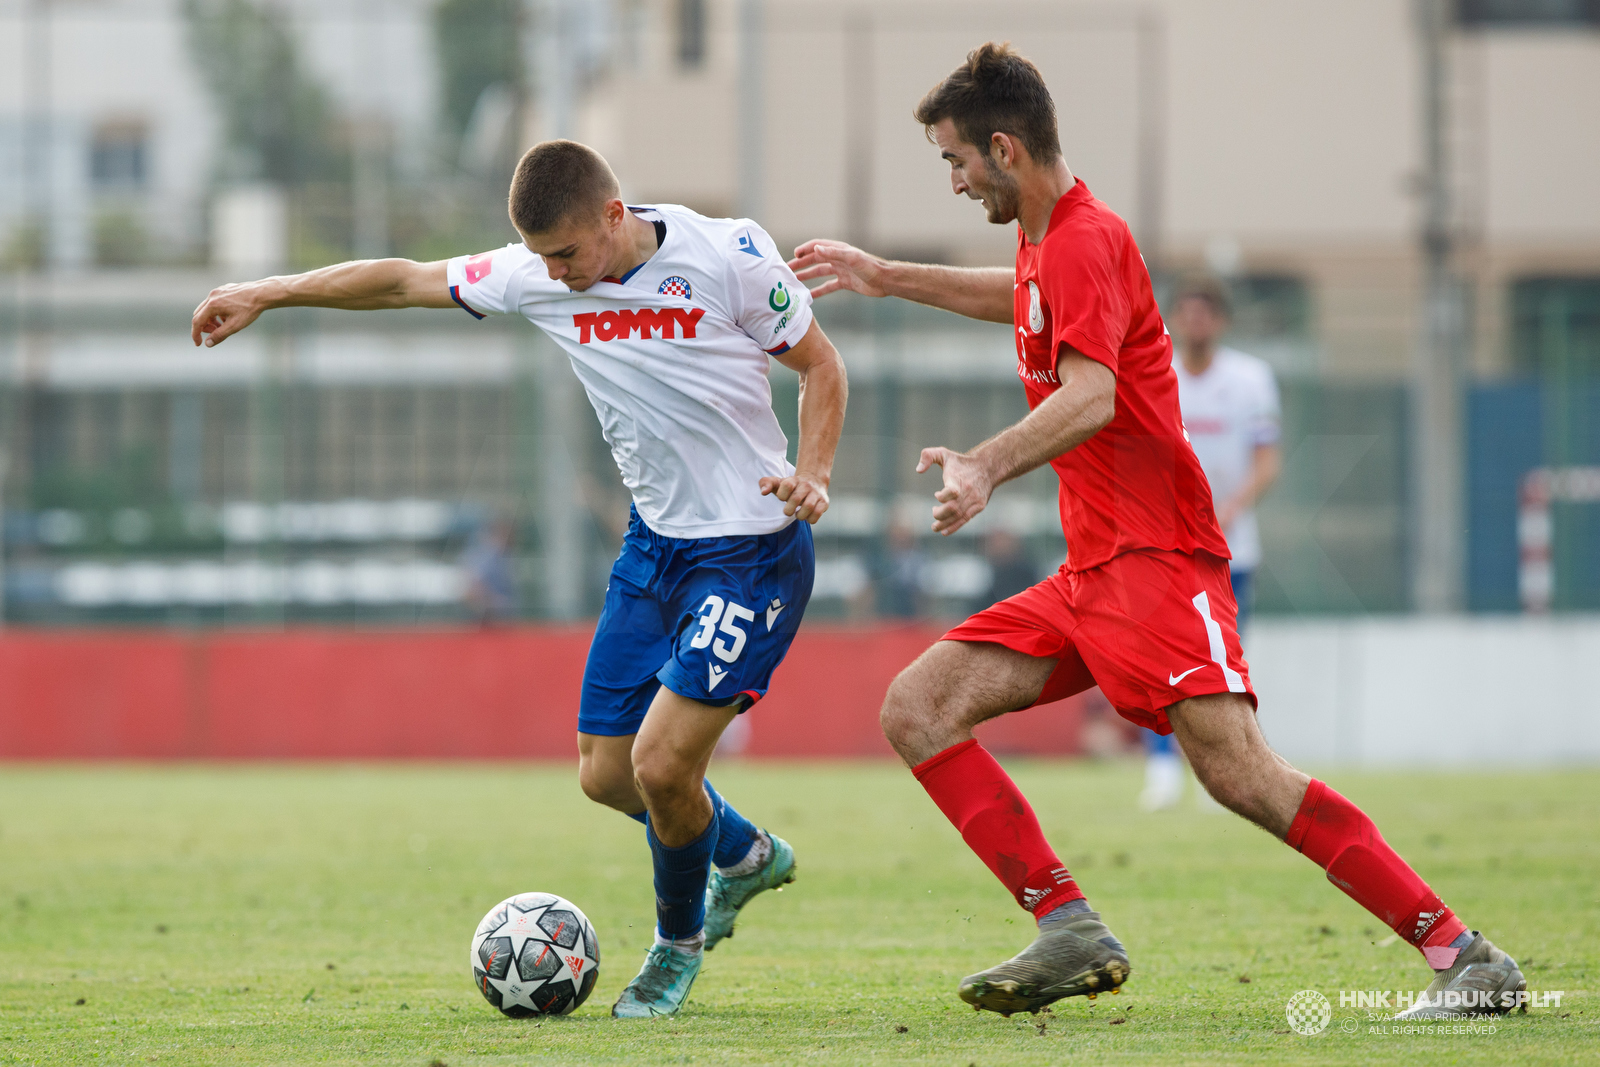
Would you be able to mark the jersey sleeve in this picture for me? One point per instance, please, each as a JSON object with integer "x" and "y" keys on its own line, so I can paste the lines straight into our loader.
{"x": 1090, "y": 307}
{"x": 770, "y": 304}
{"x": 482, "y": 284}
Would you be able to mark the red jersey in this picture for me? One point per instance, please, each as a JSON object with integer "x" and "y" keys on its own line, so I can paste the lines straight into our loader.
{"x": 1135, "y": 484}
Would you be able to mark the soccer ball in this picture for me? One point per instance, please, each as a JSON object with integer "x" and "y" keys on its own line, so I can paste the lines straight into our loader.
{"x": 535, "y": 954}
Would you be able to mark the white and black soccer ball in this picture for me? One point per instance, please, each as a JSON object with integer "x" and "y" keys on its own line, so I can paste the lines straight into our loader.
{"x": 535, "y": 954}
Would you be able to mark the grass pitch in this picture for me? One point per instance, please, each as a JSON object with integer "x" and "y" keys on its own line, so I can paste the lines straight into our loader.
{"x": 242, "y": 915}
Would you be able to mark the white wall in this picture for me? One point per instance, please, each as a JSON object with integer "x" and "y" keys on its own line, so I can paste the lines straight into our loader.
{"x": 1442, "y": 691}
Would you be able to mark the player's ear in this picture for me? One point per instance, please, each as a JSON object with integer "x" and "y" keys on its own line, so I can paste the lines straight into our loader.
{"x": 1003, "y": 149}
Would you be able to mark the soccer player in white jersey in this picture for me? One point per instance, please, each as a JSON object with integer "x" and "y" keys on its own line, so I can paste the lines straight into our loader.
{"x": 670, "y": 320}
{"x": 1229, "y": 402}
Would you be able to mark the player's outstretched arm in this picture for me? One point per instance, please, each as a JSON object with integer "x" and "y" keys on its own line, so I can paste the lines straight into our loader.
{"x": 823, "y": 391}
{"x": 364, "y": 285}
{"x": 976, "y": 292}
{"x": 1085, "y": 403}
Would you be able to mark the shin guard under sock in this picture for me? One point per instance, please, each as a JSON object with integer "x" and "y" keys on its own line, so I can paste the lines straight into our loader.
{"x": 681, "y": 875}
{"x": 1338, "y": 837}
{"x": 997, "y": 823}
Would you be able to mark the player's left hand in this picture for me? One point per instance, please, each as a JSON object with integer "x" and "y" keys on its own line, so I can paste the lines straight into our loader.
{"x": 967, "y": 488}
{"x": 225, "y": 311}
{"x": 804, "y": 495}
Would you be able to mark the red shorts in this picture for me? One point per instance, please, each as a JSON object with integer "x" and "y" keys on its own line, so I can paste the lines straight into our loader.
{"x": 1150, "y": 628}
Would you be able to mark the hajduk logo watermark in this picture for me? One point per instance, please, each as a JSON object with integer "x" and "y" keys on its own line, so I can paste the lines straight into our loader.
{"x": 1309, "y": 1012}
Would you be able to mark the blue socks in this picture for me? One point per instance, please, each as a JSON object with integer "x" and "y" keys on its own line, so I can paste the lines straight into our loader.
{"x": 737, "y": 835}
{"x": 681, "y": 875}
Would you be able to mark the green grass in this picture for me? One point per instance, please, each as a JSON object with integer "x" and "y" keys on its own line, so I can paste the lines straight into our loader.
{"x": 234, "y": 915}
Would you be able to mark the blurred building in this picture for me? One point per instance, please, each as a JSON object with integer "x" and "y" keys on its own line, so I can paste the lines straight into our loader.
{"x": 1282, "y": 146}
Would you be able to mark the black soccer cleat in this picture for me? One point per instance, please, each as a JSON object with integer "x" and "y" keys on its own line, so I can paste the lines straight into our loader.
{"x": 1080, "y": 958}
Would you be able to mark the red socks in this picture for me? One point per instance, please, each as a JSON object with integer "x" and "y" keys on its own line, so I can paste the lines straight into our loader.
{"x": 1338, "y": 837}
{"x": 997, "y": 823}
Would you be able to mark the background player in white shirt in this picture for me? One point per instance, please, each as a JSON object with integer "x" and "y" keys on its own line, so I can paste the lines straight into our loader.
{"x": 1230, "y": 408}
{"x": 669, "y": 319}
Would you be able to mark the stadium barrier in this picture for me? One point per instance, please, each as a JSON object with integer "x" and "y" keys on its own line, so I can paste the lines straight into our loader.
{"x": 488, "y": 694}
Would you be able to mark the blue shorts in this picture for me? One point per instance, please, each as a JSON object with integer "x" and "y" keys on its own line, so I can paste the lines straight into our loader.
{"x": 710, "y": 618}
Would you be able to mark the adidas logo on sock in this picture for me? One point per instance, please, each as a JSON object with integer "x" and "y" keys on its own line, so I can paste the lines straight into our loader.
{"x": 1031, "y": 897}
{"x": 1425, "y": 921}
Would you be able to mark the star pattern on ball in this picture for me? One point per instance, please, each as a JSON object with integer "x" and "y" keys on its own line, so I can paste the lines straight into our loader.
{"x": 535, "y": 954}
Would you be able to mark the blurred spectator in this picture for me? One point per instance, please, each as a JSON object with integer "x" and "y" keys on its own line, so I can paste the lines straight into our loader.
{"x": 1230, "y": 408}
{"x": 898, "y": 570}
{"x": 491, "y": 593}
{"x": 1011, "y": 567}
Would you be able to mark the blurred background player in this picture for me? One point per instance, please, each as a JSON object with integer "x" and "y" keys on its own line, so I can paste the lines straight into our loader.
{"x": 1011, "y": 567}
{"x": 491, "y": 592}
{"x": 1230, "y": 408}
{"x": 898, "y": 570}
{"x": 717, "y": 565}
{"x": 1143, "y": 605}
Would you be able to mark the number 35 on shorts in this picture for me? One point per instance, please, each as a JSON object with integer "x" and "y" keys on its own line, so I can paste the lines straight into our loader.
{"x": 719, "y": 628}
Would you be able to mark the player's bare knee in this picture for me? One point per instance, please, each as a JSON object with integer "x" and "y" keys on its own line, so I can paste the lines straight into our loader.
{"x": 663, "y": 780}
{"x": 916, "y": 704}
{"x": 899, "y": 712}
{"x": 608, "y": 785}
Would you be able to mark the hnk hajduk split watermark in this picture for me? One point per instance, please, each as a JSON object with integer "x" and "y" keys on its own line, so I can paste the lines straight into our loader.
{"x": 1473, "y": 1011}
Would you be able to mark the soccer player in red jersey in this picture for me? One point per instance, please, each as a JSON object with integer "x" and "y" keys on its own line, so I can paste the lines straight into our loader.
{"x": 1143, "y": 606}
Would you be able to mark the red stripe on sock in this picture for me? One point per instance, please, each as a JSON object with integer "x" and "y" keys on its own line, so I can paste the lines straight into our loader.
{"x": 998, "y": 824}
{"x": 1338, "y": 837}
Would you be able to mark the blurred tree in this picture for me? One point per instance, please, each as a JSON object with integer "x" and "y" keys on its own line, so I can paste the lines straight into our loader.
{"x": 25, "y": 246}
{"x": 479, "y": 49}
{"x": 120, "y": 239}
{"x": 279, "y": 121}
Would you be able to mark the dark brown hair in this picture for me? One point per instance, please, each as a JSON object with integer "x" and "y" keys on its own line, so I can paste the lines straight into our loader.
{"x": 556, "y": 180}
{"x": 996, "y": 91}
{"x": 1207, "y": 287}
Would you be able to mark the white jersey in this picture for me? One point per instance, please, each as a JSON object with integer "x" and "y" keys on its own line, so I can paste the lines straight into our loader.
{"x": 1230, "y": 411}
{"x": 674, "y": 357}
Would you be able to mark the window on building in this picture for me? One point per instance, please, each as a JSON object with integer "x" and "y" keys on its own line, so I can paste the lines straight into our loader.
{"x": 1555, "y": 326}
{"x": 1529, "y": 12}
{"x": 1271, "y": 306}
{"x": 118, "y": 155}
{"x": 691, "y": 34}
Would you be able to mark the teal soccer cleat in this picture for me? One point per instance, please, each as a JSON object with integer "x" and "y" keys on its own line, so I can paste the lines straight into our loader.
{"x": 726, "y": 894}
{"x": 661, "y": 986}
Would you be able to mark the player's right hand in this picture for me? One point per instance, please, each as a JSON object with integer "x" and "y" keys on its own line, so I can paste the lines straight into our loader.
{"x": 225, "y": 312}
{"x": 967, "y": 488}
{"x": 848, "y": 266}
